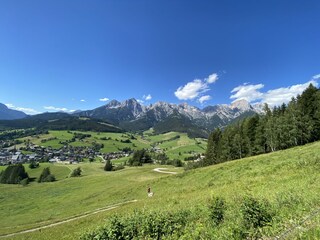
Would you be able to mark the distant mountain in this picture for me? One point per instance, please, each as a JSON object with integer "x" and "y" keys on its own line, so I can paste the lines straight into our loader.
{"x": 59, "y": 121}
{"x": 163, "y": 116}
{"x": 130, "y": 115}
{"x": 9, "y": 114}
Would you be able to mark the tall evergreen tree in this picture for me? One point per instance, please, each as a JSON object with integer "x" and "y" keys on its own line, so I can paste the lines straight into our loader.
{"x": 212, "y": 155}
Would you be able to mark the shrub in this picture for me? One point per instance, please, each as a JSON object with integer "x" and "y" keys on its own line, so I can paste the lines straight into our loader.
{"x": 142, "y": 225}
{"x": 24, "y": 182}
{"x": 33, "y": 164}
{"x": 76, "y": 172}
{"x": 46, "y": 176}
{"x": 217, "y": 208}
{"x": 118, "y": 167}
{"x": 256, "y": 214}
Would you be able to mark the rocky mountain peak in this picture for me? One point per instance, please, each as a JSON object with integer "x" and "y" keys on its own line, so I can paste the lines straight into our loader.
{"x": 241, "y": 104}
{"x": 113, "y": 104}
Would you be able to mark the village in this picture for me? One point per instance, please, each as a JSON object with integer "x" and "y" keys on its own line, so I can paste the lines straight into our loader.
{"x": 67, "y": 154}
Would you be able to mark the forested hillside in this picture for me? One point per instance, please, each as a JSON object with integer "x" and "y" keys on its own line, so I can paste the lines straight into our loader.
{"x": 288, "y": 125}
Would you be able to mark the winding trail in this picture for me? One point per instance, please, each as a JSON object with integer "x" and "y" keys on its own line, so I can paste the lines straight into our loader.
{"x": 160, "y": 170}
{"x": 85, "y": 214}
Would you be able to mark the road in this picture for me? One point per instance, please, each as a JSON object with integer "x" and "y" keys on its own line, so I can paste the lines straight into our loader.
{"x": 160, "y": 170}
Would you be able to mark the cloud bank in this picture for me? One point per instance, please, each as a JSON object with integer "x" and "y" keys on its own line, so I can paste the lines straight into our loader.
{"x": 274, "y": 97}
{"x": 58, "y": 109}
{"x": 26, "y": 110}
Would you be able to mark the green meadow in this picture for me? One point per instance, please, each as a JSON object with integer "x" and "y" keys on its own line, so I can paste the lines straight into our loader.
{"x": 175, "y": 148}
{"x": 287, "y": 180}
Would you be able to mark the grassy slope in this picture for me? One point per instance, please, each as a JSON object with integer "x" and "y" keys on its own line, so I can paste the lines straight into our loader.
{"x": 288, "y": 179}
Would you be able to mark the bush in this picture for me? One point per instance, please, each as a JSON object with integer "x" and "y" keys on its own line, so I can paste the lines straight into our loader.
{"x": 117, "y": 167}
{"x": 46, "y": 176}
{"x": 33, "y": 165}
{"x": 256, "y": 214}
{"x": 24, "y": 182}
{"x": 217, "y": 208}
{"x": 142, "y": 225}
{"x": 76, "y": 172}
{"x": 139, "y": 157}
{"x": 13, "y": 174}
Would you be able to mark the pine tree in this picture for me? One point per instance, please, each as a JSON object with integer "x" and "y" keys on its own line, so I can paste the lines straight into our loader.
{"x": 213, "y": 151}
{"x": 108, "y": 166}
{"x": 46, "y": 176}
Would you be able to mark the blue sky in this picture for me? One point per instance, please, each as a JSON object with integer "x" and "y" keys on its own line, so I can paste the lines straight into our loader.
{"x": 68, "y": 55}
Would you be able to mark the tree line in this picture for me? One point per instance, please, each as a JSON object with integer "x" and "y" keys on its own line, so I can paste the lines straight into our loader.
{"x": 281, "y": 127}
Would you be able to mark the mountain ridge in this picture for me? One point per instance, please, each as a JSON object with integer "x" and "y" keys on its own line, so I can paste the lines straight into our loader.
{"x": 10, "y": 114}
{"x": 132, "y": 115}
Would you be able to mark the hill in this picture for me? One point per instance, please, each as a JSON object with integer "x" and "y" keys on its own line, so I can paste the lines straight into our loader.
{"x": 59, "y": 121}
{"x": 9, "y": 114}
{"x": 284, "y": 184}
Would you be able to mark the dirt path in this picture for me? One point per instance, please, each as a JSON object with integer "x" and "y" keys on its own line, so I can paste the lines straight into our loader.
{"x": 86, "y": 214}
{"x": 160, "y": 170}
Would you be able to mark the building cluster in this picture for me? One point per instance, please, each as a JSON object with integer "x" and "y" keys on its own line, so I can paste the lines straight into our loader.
{"x": 67, "y": 154}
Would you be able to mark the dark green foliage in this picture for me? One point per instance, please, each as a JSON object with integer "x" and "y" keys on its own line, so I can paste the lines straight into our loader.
{"x": 179, "y": 123}
{"x": 217, "y": 209}
{"x": 76, "y": 172}
{"x": 97, "y": 146}
{"x": 118, "y": 167}
{"x": 34, "y": 164}
{"x": 192, "y": 165}
{"x": 46, "y": 176}
{"x": 139, "y": 157}
{"x": 80, "y": 136}
{"x": 13, "y": 174}
{"x": 174, "y": 162}
{"x": 256, "y": 214}
{"x": 142, "y": 225}
{"x": 13, "y": 134}
{"x": 279, "y": 128}
{"x": 62, "y": 121}
{"x": 213, "y": 148}
{"x": 126, "y": 141}
{"x": 108, "y": 166}
{"x": 24, "y": 182}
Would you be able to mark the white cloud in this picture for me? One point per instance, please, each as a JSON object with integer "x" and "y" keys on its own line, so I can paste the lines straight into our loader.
{"x": 284, "y": 95}
{"x": 204, "y": 98}
{"x": 191, "y": 90}
{"x": 57, "y": 109}
{"x": 30, "y": 111}
{"x": 147, "y": 97}
{"x": 212, "y": 78}
{"x": 104, "y": 99}
{"x": 82, "y": 100}
{"x": 315, "y": 77}
{"x": 140, "y": 101}
{"x": 196, "y": 88}
{"x": 247, "y": 92}
{"x": 272, "y": 97}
